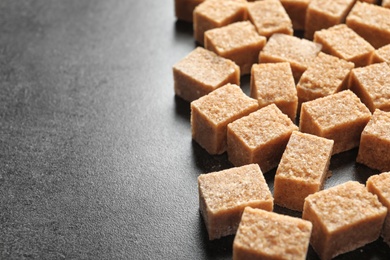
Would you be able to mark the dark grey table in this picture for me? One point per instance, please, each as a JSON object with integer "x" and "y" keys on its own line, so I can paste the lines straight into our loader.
{"x": 96, "y": 156}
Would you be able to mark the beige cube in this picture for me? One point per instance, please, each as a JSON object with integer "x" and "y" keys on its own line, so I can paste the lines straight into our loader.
{"x": 185, "y": 8}
{"x": 260, "y": 137}
{"x": 341, "y": 41}
{"x": 286, "y": 48}
{"x": 371, "y": 22}
{"x": 372, "y": 85}
{"x": 223, "y": 196}
{"x": 238, "y": 42}
{"x": 217, "y": 13}
{"x": 274, "y": 83}
{"x": 322, "y": 14}
{"x": 325, "y": 76}
{"x": 302, "y": 169}
{"x": 374, "y": 150}
{"x": 340, "y": 117}
{"x": 210, "y": 115}
{"x": 379, "y": 184}
{"x": 381, "y": 55}
{"x": 268, "y": 235}
{"x": 201, "y": 72}
{"x": 296, "y": 10}
{"x": 269, "y": 17}
{"x": 344, "y": 218}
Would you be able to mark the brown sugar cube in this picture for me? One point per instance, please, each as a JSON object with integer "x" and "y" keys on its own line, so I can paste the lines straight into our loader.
{"x": 268, "y": 235}
{"x": 269, "y": 17}
{"x": 201, "y": 72}
{"x": 371, "y": 22}
{"x": 344, "y": 218}
{"x": 379, "y": 184}
{"x": 341, "y": 41}
{"x": 274, "y": 83}
{"x": 286, "y": 48}
{"x": 374, "y": 149}
{"x": 386, "y": 3}
{"x": 381, "y": 55}
{"x": 210, "y": 115}
{"x": 325, "y": 76}
{"x": 322, "y": 14}
{"x": 223, "y": 196}
{"x": 185, "y": 8}
{"x": 340, "y": 117}
{"x": 260, "y": 137}
{"x": 217, "y": 13}
{"x": 296, "y": 10}
{"x": 372, "y": 85}
{"x": 238, "y": 42}
{"x": 302, "y": 169}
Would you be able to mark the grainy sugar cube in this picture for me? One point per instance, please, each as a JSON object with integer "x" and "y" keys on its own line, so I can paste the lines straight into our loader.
{"x": 381, "y": 55}
{"x": 201, "y": 72}
{"x": 217, "y": 13}
{"x": 286, "y": 48}
{"x": 372, "y": 85}
{"x": 340, "y": 117}
{"x": 325, "y": 76}
{"x": 341, "y": 41}
{"x": 379, "y": 184}
{"x": 185, "y": 8}
{"x": 344, "y": 217}
{"x": 223, "y": 196}
{"x": 268, "y": 235}
{"x": 374, "y": 149}
{"x": 302, "y": 169}
{"x": 210, "y": 115}
{"x": 322, "y": 14}
{"x": 274, "y": 83}
{"x": 260, "y": 137}
{"x": 238, "y": 42}
{"x": 371, "y": 22}
{"x": 296, "y": 10}
{"x": 269, "y": 17}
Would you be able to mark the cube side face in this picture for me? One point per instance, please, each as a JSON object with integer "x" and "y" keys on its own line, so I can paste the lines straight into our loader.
{"x": 238, "y": 152}
{"x": 316, "y": 20}
{"x": 357, "y": 87}
{"x": 296, "y": 10}
{"x": 307, "y": 123}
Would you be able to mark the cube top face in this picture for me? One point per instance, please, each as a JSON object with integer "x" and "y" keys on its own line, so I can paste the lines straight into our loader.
{"x": 332, "y": 8}
{"x": 344, "y": 205}
{"x": 379, "y": 126}
{"x": 324, "y": 76}
{"x": 206, "y": 67}
{"x": 344, "y": 42}
{"x": 272, "y": 236}
{"x": 262, "y": 126}
{"x": 294, "y": 50}
{"x": 232, "y": 188}
{"x": 383, "y": 53}
{"x": 305, "y": 158}
{"x": 220, "y": 10}
{"x": 233, "y": 37}
{"x": 336, "y": 110}
{"x": 372, "y": 15}
{"x": 380, "y": 183}
{"x": 269, "y": 17}
{"x": 224, "y": 103}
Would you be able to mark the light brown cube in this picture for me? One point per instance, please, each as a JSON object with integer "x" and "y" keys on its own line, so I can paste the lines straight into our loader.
{"x": 381, "y": 55}
{"x": 371, "y": 22}
{"x": 302, "y": 169}
{"x": 201, "y": 72}
{"x": 372, "y": 85}
{"x": 274, "y": 83}
{"x": 325, "y": 76}
{"x": 223, "y": 196}
{"x": 238, "y": 42}
{"x": 374, "y": 150}
{"x": 268, "y": 235}
{"x": 340, "y": 117}
{"x": 344, "y": 218}
{"x": 286, "y": 48}
{"x": 217, "y": 13}
{"x": 341, "y": 41}
{"x": 380, "y": 185}
{"x": 296, "y": 10}
{"x": 260, "y": 137}
{"x": 269, "y": 17}
{"x": 322, "y": 14}
{"x": 210, "y": 115}
{"x": 185, "y": 8}
{"x": 386, "y": 3}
